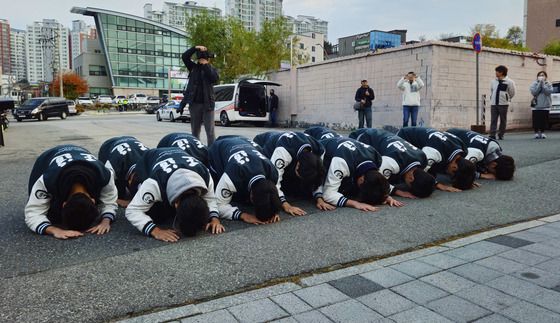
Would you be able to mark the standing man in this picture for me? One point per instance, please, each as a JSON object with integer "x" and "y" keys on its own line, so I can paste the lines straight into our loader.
{"x": 273, "y": 105}
{"x": 364, "y": 95}
{"x": 502, "y": 90}
{"x": 199, "y": 94}
{"x": 410, "y": 85}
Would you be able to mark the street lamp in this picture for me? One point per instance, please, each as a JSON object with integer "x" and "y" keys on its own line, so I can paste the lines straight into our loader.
{"x": 324, "y": 51}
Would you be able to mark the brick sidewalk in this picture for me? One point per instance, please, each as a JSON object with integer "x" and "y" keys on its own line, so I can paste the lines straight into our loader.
{"x": 510, "y": 274}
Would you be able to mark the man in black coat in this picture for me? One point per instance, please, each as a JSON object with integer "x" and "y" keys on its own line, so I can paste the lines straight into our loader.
{"x": 199, "y": 94}
{"x": 364, "y": 96}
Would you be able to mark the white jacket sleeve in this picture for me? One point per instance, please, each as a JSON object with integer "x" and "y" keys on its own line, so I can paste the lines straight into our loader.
{"x": 224, "y": 194}
{"x": 389, "y": 167}
{"x": 108, "y": 199}
{"x": 420, "y": 83}
{"x": 141, "y": 203}
{"x": 433, "y": 156}
{"x": 37, "y": 207}
{"x": 210, "y": 199}
{"x": 511, "y": 89}
{"x": 400, "y": 84}
{"x": 281, "y": 158}
{"x": 475, "y": 155}
{"x": 337, "y": 171}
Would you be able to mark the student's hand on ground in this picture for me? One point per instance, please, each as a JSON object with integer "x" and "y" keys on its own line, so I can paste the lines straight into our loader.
{"x": 488, "y": 176}
{"x": 274, "y": 219}
{"x": 103, "y": 227}
{"x": 292, "y": 210}
{"x": 251, "y": 219}
{"x": 365, "y": 207}
{"x": 215, "y": 227}
{"x": 447, "y": 188}
{"x": 476, "y": 185}
{"x": 123, "y": 203}
{"x": 392, "y": 202}
{"x": 324, "y": 206}
{"x": 63, "y": 234}
{"x": 405, "y": 194}
{"x": 166, "y": 235}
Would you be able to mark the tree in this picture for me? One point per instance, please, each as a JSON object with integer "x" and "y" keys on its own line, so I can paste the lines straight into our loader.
{"x": 240, "y": 51}
{"x": 73, "y": 85}
{"x": 422, "y": 38}
{"x": 485, "y": 30}
{"x": 515, "y": 35}
{"x": 491, "y": 37}
{"x": 328, "y": 47}
{"x": 552, "y": 48}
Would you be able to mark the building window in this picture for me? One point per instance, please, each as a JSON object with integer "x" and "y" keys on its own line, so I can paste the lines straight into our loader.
{"x": 313, "y": 59}
{"x": 312, "y": 48}
{"x": 557, "y": 22}
{"x": 301, "y": 46}
{"x": 97, "y": 70}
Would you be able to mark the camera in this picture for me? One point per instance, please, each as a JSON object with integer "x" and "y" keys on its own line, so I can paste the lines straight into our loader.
{"x": 205, "y": 54}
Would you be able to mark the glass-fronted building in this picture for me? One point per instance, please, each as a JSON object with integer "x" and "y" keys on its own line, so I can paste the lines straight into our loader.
{"x": 139, "y": 52}
{"x": 381, "y": 39}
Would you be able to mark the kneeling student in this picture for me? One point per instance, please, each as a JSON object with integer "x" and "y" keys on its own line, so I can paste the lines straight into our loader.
{"x": 187, "y": 142}
{"x": 69, "y": 191}
{"x": 174, "y": 186}
{"x": 352, "y": 167}
{"x": 297, "y": 158}
{"x": 320, "y": 133}
{"x": 445, "y": 153}
{"x": 487, "y": 154}
{"x": 401, "y": 162}
{"x": 244, "y": 174}
{"x": 120, "y": 155}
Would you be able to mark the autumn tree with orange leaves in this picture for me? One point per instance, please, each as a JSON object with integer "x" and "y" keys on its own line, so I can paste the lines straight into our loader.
{"x": 73, "y": 86}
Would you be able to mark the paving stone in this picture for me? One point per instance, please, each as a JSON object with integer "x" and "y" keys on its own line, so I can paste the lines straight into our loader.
{"x": 552, "y": 218}
{"x": 166, "y": 315}
{"x": 494, "y": 318}
{"x": 291, "y": 303}
{"x": 476, "y": 273}
{"x": 557, "y": 288}
{"x": 350, "y": 311}
{"x": 546, "y": 230}
{"x": 409, "y": 256}
{"x": 526, "y": 312}
{"x": 516, "y": 287}
{"x": 549, "y": 299}
{"x": 419, "y": 292}
{"x": 415, "y": 268}
{"x": 312, "y": 317}
{"x": 442, "y": 261}
{"x": 539, "y": 277}
{"x": 262, "y": 310}
{"x": 524, "y": 257}
{"x": 529, "y": 236}
{"x": 419, "y": 314}
{"x": 501, "y": 264}
{"x": 542, "y": 249}
{"x": 458, "y": 309}
{"x": 508, "y": 241}
{"x": 386, "y": 302}
{"x": 355, "y": 286}
{"x": 321, "y": 295}
{"x": 488, "y": 297}
{"x": 552, "y": 266}
{"x": 552, "y": 242}
{"x": 217, "y": 316}
{"x": 477, "y": 251}
{"x": 387, "y": 277}
{"x": 286, "y": 320}
{"x": 448, "y": 281}
{"x": 341, "y": 273}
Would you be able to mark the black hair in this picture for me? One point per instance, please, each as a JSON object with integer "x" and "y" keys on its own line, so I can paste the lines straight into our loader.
{"x": 423, "y": 185}
{"x": 311, "y": 169}
{"x": 134, "y": 184}
{"x": 542, "y": 72}
{"x": 364, "y": 81}
{"x": 272, "y": 90}
{"x": 374, "y": 189}
{"x": 79, "y": 212}
{"x": 411, "y": 73}
{"x": 265, "y": 199}
{"x": 192, "y": 213}
{"x": 505, "y": 167}
{"x": 502, "y": 69}
{"x": 465, "y": 174}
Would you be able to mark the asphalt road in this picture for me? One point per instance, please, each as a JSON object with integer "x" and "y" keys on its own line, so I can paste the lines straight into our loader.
{"x": 100, "y": 278}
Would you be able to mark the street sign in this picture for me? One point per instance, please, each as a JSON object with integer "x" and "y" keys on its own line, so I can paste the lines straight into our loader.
{"x": 477, "y": 43}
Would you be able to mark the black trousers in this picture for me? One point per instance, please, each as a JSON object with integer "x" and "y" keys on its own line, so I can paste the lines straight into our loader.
{"x": 540, "y": 120}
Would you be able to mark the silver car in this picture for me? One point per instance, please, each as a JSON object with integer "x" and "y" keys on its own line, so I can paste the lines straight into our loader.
{"x": 71, "y": 108}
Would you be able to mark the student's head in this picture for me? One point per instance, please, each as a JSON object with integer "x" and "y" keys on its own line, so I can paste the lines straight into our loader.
{"x": 501, "y": 71}
{"x": 79, "y": 212}
{"x": 542, "y": 75}
{"x": 364, "y": 83}
{"x": 465, "y": 175}
{"x": 374, "y": 188}
{"x": 503, "y": 167}
{"x": 421, "y": 183}
{"x": 310, "y": 169}
{"x": 453, "y": 165}
{"x": 191, "y": 212}
{"x": 264, "y": 196}
{"x": 411, "y": 76}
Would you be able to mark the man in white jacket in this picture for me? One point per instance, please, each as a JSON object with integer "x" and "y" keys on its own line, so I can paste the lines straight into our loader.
{"x": 502, "y": 90}
{"x": 410, "y": 85}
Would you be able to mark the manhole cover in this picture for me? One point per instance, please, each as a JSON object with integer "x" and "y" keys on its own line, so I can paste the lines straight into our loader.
{"x": 530, "y": 275}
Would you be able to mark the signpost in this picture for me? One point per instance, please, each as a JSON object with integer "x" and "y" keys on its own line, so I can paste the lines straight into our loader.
{"x": 477, "y": 47}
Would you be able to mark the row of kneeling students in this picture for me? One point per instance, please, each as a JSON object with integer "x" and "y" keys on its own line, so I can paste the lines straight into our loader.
{"x": 190, "y": 187}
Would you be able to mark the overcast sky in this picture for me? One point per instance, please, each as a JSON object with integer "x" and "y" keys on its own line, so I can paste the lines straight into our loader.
{"x": 346, "y": 17}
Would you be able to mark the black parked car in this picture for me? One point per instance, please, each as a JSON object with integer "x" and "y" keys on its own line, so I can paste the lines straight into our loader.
{"x": 42, "y": 108}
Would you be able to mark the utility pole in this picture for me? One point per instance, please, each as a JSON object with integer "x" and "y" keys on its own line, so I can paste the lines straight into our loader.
{"x": 60, "y": 72}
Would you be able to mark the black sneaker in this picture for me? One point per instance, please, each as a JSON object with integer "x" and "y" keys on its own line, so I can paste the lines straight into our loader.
{"x": 501, "y": 137}
{"x": 492, "y": 137}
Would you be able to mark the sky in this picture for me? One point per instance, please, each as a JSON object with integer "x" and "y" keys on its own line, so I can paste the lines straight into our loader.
{"x": 428, "y": 18}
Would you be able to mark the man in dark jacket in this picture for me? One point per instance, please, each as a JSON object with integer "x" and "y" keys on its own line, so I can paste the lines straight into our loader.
{"x": 273, "y": 101}
{"x": 364, "y": 96}
{"x": 199, "y": 94}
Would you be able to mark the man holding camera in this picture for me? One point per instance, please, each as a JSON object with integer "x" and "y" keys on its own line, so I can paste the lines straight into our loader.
{"x": 410, "y": 85}
{"x": 199, "y": 94}
{"x": 364, "y": 96}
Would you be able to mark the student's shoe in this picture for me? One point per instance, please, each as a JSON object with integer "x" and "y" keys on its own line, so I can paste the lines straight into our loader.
{"x": 501, "y": 137}
{"x": 543, "y": 136}
{"x": 492, "y": 137}
{"x": 537, "y": 136}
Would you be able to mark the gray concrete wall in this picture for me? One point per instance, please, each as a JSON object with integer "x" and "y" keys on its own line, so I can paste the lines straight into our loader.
{"x": 323, "y": 93}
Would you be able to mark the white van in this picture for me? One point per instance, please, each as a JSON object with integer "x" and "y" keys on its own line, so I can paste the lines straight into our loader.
{"x": 554, "y": 116}
{"x": 245, "y": 101}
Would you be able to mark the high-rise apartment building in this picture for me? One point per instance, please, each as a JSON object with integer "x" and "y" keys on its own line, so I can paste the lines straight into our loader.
{"x": 5, "y": 52}
{"x": 253, "y": 13}
{"x": 176, "y": 14}
{"x": 80, "y": 33}
{"x": 18, "y": 57}
{"x": 542, "y": 23}
{"x": 306, "y": 24}
{"x": 44, "y": 50}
